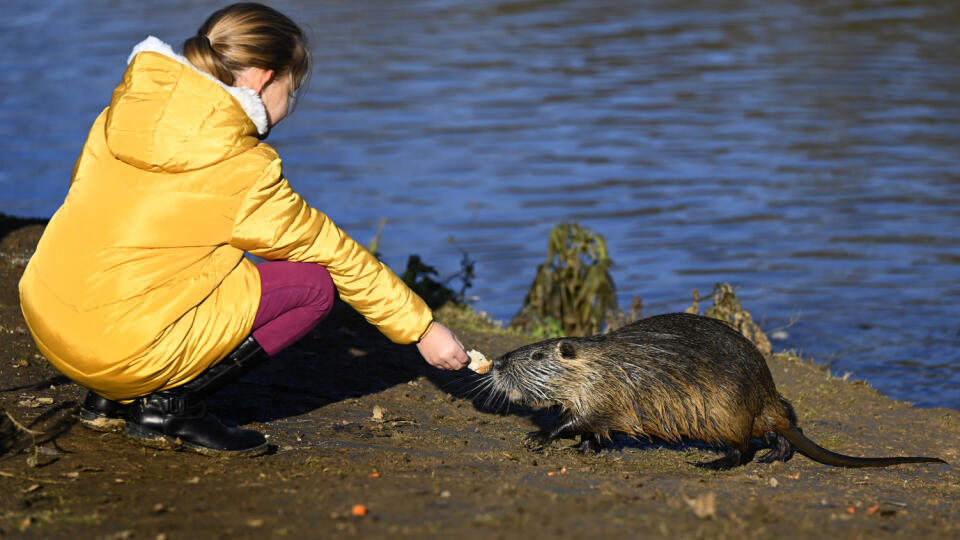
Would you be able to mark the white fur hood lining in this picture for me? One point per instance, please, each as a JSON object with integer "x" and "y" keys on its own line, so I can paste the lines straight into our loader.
{"x": 247, "y": 98}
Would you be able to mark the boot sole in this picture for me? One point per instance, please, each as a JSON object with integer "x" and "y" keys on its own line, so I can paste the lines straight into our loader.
{"x": 152, "y": 439}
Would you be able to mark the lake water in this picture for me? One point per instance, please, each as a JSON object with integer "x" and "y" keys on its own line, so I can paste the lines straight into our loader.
{"x": 806, "y": 152}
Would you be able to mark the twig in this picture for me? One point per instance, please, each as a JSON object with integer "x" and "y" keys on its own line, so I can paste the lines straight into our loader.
{"x": 21, "y": 426}
{"x": 794, "y": 319}
{"x": 30, "y": 478}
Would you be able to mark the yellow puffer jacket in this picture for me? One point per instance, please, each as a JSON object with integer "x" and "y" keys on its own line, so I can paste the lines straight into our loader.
{"x": 139, "y": 282}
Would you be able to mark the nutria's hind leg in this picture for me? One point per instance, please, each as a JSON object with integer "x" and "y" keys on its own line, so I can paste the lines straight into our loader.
{"x": 780, "y": 450}
{"x": 734, "y": 456}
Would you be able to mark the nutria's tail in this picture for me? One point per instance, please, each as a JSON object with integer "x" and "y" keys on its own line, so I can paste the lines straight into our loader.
{"x": 818, "y": 453}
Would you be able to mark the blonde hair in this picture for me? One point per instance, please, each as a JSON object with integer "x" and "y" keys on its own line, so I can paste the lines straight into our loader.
{"x": 246, "y": 35}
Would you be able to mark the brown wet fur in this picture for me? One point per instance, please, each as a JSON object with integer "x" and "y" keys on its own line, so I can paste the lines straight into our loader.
{"x": 670, "y": 377}
{"x": 447, "y": 467}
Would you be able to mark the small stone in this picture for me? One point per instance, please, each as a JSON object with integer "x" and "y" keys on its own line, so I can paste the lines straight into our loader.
{"x": 704, "y": 506}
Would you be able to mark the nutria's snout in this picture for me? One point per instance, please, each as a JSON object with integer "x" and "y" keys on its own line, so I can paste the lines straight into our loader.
{"x": 504, "y": 381}
{"x": 528, "y": 375}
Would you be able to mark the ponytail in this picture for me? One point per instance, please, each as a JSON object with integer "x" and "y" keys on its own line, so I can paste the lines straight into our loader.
{"x": 200, "y": 52}
{"x": 246, "y": 35}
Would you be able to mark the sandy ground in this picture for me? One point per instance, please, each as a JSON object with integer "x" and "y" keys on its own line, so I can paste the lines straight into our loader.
{"x": 436, "y": 461}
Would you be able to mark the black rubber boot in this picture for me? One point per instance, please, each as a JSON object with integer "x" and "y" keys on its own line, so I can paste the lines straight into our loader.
{"x": 177, "y": 418}
{"x": 101, "y": 414}
{"x": 248, "y": 355}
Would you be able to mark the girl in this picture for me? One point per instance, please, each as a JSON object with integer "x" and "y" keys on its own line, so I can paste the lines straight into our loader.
{"x": 139, "y": 289}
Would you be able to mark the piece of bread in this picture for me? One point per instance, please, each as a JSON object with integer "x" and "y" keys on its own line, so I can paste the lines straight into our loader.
{"x": 478, "y": 362}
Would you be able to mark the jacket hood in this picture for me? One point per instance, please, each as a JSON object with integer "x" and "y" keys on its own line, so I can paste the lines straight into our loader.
{"x": 168, "y": 116}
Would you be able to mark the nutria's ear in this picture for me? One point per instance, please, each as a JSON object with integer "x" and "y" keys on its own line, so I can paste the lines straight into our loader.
{"x": 567, "y": 350}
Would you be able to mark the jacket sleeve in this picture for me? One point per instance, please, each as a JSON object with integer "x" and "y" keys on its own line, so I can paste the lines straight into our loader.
{"x": 275, "y": 223}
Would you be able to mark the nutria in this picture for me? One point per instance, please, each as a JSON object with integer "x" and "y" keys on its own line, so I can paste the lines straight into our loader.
{"x": 670, "y": 377}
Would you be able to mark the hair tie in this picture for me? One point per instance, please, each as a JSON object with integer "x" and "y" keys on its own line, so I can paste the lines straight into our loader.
{"x": 207, "y": 39}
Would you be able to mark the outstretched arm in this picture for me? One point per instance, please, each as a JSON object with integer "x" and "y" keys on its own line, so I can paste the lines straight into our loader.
{"x": 273, "y": 222}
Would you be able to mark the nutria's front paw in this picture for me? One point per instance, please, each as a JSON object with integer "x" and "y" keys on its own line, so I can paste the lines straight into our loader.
{"x": 537, "y": 440}
{"x": 589, "y": 443}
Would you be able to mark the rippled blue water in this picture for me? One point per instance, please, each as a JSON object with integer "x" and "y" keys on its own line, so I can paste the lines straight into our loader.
{"x": 807, "y": 152}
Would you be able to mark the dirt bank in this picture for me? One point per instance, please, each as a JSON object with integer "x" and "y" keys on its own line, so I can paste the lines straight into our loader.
{"x": 435, "y": 461}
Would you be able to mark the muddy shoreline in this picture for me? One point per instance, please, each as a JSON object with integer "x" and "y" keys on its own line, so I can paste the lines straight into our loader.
{"x": 438, "y": 461}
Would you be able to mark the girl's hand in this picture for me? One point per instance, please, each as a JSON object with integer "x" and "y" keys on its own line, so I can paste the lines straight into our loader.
{"x": 441, "y": 348}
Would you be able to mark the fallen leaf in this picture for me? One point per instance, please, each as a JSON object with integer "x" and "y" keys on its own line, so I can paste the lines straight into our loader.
{"x": 255, "y": 522}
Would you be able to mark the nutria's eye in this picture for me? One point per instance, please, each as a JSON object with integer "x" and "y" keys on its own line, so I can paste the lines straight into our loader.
{"x": 567, "y": 350}
{"x": 537, "y": 356}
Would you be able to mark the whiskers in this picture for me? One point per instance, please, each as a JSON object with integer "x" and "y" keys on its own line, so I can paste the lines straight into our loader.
{"x": 482, "y": 390}
{"x": 497, "y": 389}
{"x": 496, "y": 399}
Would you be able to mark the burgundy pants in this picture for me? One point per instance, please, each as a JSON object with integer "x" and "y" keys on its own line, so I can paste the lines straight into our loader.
{"x": 294, "y": 297}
